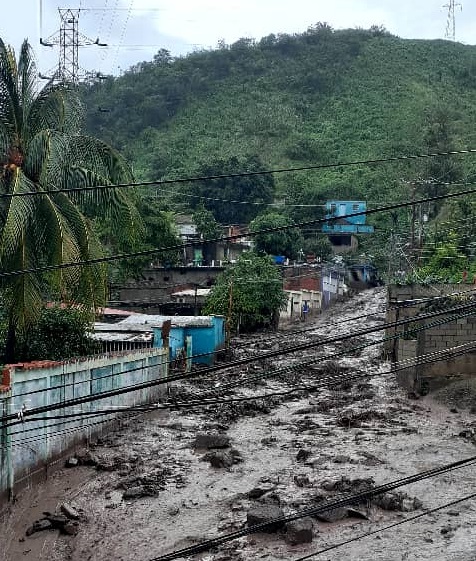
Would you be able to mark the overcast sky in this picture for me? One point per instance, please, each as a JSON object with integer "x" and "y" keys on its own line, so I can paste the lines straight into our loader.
{"x": 136, "y": 29}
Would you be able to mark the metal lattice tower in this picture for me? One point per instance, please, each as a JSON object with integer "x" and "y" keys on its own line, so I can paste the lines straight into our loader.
{"x": 69, "y": 39}
{"x": 68, "y": 68}
{"x": 451, "y": 21}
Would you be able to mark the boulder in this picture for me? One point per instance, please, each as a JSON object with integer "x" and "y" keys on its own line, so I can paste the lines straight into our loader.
{"x": 300, "y": 531}
{"x": 261, "y": 514}
{"x": 211, "y": 440}
{"x": 332, "y": 515}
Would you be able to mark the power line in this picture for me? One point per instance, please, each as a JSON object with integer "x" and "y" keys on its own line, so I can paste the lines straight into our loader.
{"x": 379, "y": 530}
{"x": 346, "y": 501}
{"x": 271, "y": 354}
{"x": 246, "y": 174}
{"x": 201, "y": 401}
{"x": 150, "y": 252}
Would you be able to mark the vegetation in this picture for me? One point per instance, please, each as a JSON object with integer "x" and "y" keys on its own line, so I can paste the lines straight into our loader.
{"x": 318, "y": 97}
{"x": 249, "y": 293}
{"x": 287, "y": 242}
{"x": 59, "y": 334}
{"x": 43, "y": 151}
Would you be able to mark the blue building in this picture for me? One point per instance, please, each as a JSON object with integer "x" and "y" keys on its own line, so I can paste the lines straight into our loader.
{"x": 337, "y": 212}
{"x": 205, "y": 336}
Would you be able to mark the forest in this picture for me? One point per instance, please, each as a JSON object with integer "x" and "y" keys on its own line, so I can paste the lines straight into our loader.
{"x": 316, "y": 98}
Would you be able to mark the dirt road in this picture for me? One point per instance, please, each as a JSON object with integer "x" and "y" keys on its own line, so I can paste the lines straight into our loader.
{"x": 153, "y": 488}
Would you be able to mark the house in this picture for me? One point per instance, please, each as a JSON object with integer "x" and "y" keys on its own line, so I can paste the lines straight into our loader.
{"x": 301, "y": 304}
{"x": 197, "y": 337}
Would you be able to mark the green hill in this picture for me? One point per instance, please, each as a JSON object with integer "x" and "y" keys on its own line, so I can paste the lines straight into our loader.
{"x": 318, "y": 97}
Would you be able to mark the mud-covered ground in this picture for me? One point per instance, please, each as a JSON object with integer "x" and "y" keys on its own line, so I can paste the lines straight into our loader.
{"x": 155, "y": 485}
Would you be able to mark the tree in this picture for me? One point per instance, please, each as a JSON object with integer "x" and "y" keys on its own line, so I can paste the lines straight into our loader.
{"x": 232, "y": 200}
{"x": 209, "y": 229}
{"x": 43, "y": 151}
{"x": 250, "y": 293}
{"x": 282, "y": 242}
{"x": 59, "y": 333}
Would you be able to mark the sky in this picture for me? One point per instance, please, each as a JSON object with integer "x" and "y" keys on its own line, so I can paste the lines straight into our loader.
{"x": 134, "y": 30}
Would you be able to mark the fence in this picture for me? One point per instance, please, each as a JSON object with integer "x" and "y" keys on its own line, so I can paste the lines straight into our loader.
{"x": 27, "y": 450}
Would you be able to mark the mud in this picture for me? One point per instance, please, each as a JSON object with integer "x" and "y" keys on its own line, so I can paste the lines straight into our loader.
{"x": 155, "y": 493}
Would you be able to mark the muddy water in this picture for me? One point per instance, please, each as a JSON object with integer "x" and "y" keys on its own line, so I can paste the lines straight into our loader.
{"x": 369, "y": 429}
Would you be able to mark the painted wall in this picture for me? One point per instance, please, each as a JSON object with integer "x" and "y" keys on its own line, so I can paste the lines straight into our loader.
{"x": 207, "y": 334}
{"x": 30, "y": 448}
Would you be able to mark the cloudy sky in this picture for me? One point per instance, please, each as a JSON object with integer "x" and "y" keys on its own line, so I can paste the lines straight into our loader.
{"x": 135, "y": 30}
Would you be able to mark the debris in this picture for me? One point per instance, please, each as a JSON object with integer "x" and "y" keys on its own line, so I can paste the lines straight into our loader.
{"x": 261, "y": 514}
{"x": 71, "y": 462}
{"x": 303, "y": 455}
{"x": 397, "y": 500}
{"x": 300, "y": 531}
{"x": 135, "y": 492}
{"x": 39, "y": 526}
{"x": 223, "y": 458}
{"x": 258, "y": 492}
{"x": 302, "y": 480}
{"x": 346, "y": 485}
{"x": 210, "y": 441}
{"x": 332, "y": 515}
{"x": 69, "y": 511}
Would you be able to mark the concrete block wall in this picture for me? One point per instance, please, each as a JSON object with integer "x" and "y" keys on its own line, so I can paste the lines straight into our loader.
{"x": 30, "y": 448}
{"x": 405, "y": 302}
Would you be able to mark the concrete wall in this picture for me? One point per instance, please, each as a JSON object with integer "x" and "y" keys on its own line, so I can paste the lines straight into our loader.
{"x": 159, "y": 283}
{"x": 409, "y": 301}
{"x": 30, "y": 448}
{"x": 296, "y": 299}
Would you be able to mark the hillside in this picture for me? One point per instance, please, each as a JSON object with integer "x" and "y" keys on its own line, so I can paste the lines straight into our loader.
{"x": 318, "y": 97}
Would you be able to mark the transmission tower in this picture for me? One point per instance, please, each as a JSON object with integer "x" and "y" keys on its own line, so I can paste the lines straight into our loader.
{"x": 451, "y": 21}
{"x": 69, "y": 39}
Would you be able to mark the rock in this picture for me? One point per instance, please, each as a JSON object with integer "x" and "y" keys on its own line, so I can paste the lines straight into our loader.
{"x": 261, "y": 514}
{"x": 357, "y": 513}
{"x": 302, "y": 480}
{"x": 57, "y": 520}
{"x": 173, "y": 511}
{"x": 223, "y": 458}
{"x": 258, "y": 492}
{"x": 135, "y": 492}
{"x": 332, "y": 515}
{"x": 71, "y": 462}
{"x": 86, "y": 458}
{"x": 300, "y": 531}
{"x": 270, "y": 499}
{"x": 71, "y": 528}
{"x": 346, "y": 485}
{"x": 69, "y": 511}
{"x": 211, "y": 440}
{"x": 39, "y": 526}
{"x": 303, "y": 455}
{"x": 342, "y": 459}
{"x": 106, "y": 464}
{"x": 398, "y": 501}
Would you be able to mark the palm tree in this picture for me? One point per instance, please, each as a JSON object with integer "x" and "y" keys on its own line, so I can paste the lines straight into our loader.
{"x": 43, "y": 151}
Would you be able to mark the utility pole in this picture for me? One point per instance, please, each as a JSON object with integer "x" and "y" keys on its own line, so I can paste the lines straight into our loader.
{"x": 69, "y": 39}
{"x": 228, "y": 321}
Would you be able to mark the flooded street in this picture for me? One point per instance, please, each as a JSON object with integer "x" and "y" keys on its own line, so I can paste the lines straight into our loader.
{"x": 160, "y": 482}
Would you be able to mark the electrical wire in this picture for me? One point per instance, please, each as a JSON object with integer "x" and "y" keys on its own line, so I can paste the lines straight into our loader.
{"x": 332, "y": 505}
{"x": 388, "y": 527}
{"x": 418, "y": 360}
{"x": 154, "y": 251}
{"x": 325, "y": 382}
{"x": 240, "y": 362}
{"x": 247, "y": 174}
